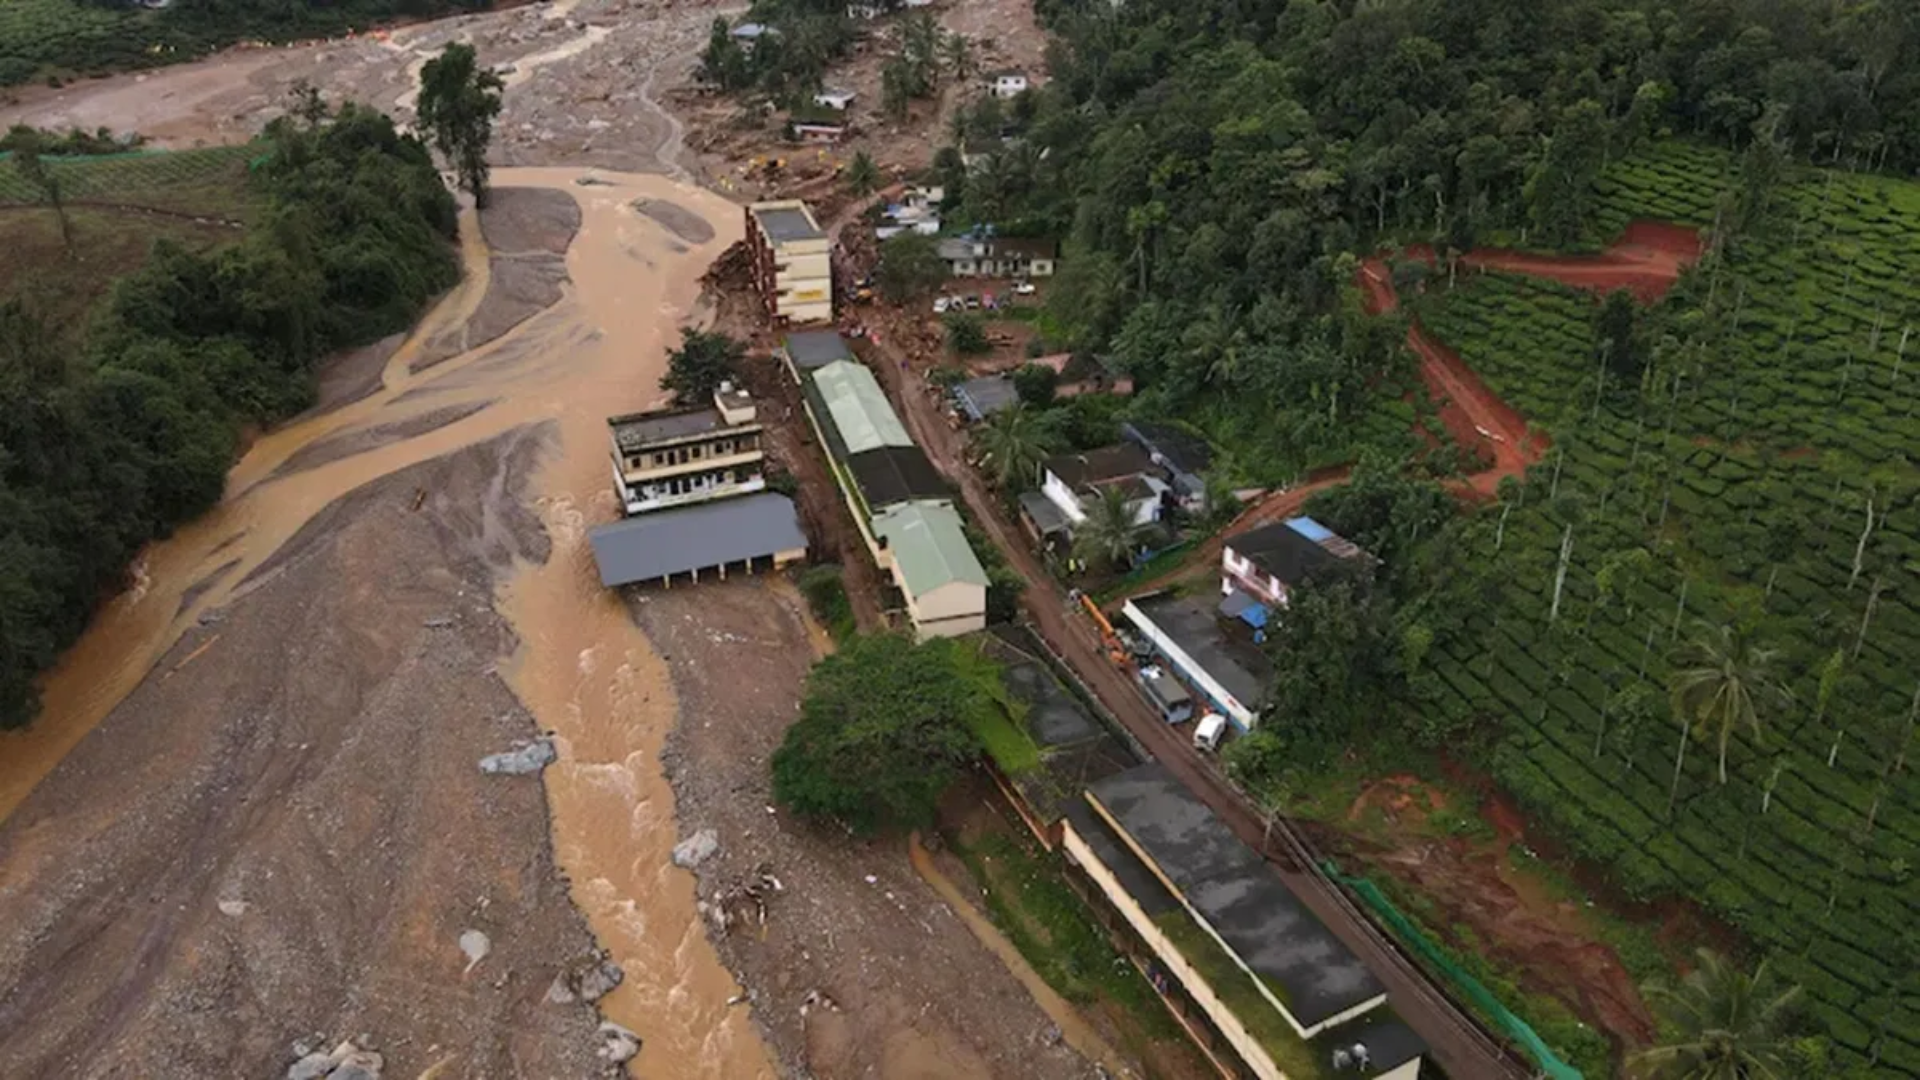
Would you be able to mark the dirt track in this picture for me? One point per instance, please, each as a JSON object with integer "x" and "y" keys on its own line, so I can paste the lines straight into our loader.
{"x": 1647, "y": 259}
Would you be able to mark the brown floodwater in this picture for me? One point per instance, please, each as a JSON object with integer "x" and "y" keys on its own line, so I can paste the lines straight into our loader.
{"x": 582, "y": 669}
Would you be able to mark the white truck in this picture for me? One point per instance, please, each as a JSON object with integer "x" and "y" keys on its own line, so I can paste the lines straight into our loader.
{"x": 1207, "y": 733}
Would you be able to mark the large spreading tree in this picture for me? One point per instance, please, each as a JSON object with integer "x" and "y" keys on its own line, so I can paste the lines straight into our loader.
{"x": 703, "y": 361}
{"x": 458, "y": 102}
{"x": 885, "y": 726}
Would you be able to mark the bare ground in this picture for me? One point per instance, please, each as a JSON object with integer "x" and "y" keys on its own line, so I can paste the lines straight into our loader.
{"x": 353, "y": 375}
{"x": 908, "y": 990}
{"x": 528, "y": 231}
{"x": 251, "y": 848}
{"x": 348, "y": 443}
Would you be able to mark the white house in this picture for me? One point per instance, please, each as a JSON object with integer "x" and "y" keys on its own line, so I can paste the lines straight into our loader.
{"x": 1002, "y": 256}
{"x": 1073, "y": 481}
{"x": 1268, "y": 562}
{"x": 1007, "y": 83}
{"x": 837, "y": 100}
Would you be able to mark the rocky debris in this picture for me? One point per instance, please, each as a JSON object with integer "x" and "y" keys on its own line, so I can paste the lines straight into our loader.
{"x": 529, "y": 756}
{"x": 619, "y": 1045}
{"x": 696, "y": 849}
{"x": 232, "y": 908}
{"x": 344, "y": 1062}
{"x": 476, "y": 945}
{"x": 588, "y": 979}
{"x": 742, "y": 901}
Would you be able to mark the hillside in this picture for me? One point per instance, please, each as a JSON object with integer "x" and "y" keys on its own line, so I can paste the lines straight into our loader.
{"x": 117, "y": 206}
{"x": 61, "y": 39}
{"x": 1759, "y": 475}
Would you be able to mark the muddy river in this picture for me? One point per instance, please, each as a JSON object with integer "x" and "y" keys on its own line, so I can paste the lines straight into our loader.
{"x": 582, "y": 669}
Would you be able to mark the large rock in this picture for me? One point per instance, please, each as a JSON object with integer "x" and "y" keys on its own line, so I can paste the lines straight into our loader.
{"x": 476, "y": 946}
{"x": 599, "y": 980}
{"x": 696, "y": 849}
{"x": 526, "y": 757}
{"x": 310, "y": 1067}
{"x": 618, "y": 1045}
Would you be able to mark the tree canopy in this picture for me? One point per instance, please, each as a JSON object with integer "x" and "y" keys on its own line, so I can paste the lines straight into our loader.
{"x": 458, "y": 102}
{"x": 885, "y": 726}
{"x": 704, "y": 360}
{"x": 111, "y": 444}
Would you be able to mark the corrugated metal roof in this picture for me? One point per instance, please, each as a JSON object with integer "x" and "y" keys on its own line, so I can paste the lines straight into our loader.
{"x": 928, "y": 546}
{"x": 652, "y": 546}
{"x": 816, "y": 348}
{"x": 857, "y": 408}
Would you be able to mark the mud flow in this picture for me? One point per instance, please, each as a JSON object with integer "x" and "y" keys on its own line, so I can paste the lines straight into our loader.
{"x": 580, "y": 667}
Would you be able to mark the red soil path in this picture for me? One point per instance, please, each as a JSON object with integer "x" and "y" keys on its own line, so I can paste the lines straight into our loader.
{"x": 1647, "y": 259}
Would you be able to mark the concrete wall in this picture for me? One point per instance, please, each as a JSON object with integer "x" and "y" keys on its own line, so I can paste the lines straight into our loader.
{"x": 1244, "y": 1044}
{"x": 1060, "y": 495}
{"x": 953, "y": 609}
{"x": 1255, "y": 581}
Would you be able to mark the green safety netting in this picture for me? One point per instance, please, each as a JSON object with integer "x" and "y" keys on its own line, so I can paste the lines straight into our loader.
{"x": 1516, "y": 1028}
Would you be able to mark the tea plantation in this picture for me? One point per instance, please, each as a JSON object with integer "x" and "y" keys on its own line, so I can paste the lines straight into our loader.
{"x": 1759, "y": 474}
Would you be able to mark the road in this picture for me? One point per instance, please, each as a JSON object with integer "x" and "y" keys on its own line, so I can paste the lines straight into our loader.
{"x": 1457, "y": 1043}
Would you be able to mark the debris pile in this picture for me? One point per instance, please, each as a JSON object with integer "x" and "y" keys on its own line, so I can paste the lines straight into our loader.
{"x": 742, "y": 902}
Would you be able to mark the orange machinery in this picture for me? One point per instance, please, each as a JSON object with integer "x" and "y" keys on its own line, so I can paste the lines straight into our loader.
{"x": 1116, "y": 650}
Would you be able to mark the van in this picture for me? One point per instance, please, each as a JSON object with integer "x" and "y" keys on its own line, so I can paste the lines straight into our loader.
{"x": 1206, "y": 734}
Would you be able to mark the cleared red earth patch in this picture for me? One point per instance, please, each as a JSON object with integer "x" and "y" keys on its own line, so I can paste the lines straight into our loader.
{"x": 1647, "y": 259}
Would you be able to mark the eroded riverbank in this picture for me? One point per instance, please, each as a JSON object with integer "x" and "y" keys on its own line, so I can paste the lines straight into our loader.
{"x": 248, "y": 692}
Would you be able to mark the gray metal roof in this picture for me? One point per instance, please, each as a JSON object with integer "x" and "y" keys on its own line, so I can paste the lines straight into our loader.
{"x": 696, "y": 537}
{"x": 1238, "y": 665}
{"x": 783, "y": 223}
{"x": 1054, "y": 716}
{"x": 1134, "y": 876}
{"x": 1046, "y": 516}
{"x": 1240, "y": 898}
{"x": 986, "y": 395}
{"x": 815, "y": 348}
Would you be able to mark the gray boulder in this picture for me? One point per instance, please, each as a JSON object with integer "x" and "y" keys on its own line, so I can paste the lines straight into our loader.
{"x": 696, "y": 849}
{"x": 618, "y": 1045}
{"x": 310, "y": 1067}
{"x": 525, "y": 757}
{"x": 599, "y": 980}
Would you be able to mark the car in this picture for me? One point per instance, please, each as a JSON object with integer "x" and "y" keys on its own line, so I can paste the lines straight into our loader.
{"x": 1023, "y": 288}
{"x": 972, "y": 302}
{"x": 940, "y": 305}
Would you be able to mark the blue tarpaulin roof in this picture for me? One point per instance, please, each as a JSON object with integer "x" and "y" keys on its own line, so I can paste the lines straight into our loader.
{"x": 1310, "y": 529}
{"x": 1238, "y": 605}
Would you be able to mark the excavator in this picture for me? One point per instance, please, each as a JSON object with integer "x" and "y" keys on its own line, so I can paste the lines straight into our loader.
{"x": 1116, "y": 649}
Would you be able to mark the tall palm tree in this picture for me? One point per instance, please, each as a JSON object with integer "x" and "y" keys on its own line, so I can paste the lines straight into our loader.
{"x": 1109, "y": 532}
{"x": 1012, "y": 444}
{"x": 1719, "y": 1023}
{"x": 1721, "y": 680}
{"x": 862, "y": 175}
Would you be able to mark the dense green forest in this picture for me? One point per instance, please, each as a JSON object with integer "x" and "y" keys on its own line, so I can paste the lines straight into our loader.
{"x": 58, "y": 39}
{"x": 1731, "y": 486}
{"x": 111, "y": 441}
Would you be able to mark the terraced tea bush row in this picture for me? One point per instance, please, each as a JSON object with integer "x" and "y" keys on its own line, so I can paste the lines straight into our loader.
{"x": 1763, "y": 468}
{"x": 186, "y": 181}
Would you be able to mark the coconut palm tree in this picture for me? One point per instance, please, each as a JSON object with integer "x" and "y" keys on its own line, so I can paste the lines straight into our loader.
{"x": 1720, "y": 681}
{"x": 1109, "y": 532}
{"x": 1012, "y": 445}
{"x": 863, "y": 176}
{"x": 1719, "y": 1023}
